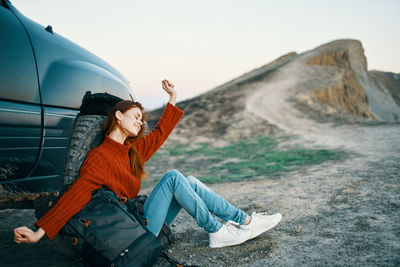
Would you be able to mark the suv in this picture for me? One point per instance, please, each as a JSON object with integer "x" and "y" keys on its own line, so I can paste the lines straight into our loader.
{"x": 54, "y": 96}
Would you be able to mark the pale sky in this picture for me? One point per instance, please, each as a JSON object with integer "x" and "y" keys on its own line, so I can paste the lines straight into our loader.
{"x": 198, "y": 45}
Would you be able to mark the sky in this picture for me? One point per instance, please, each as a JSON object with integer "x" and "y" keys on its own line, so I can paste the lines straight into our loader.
{"x": 199, "y": 45}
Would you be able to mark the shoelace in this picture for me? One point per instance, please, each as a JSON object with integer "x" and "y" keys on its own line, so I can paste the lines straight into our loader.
{"x": 232, "y": 228}
{"x": 255, "y": 214}
{"x": 259, "y": 213}
{"x": 232, "y": 222}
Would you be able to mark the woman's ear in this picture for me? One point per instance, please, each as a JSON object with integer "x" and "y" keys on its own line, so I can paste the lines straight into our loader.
{"x": 118, "y": 114}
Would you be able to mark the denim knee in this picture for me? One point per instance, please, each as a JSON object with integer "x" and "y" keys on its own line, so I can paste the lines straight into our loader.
{"x": 173, "y": 172}
{"x": 178, "y": 177}
{"x": 191, "y": 179}
{"x": 175, "y": 175}
{"x": 194, "y": 182}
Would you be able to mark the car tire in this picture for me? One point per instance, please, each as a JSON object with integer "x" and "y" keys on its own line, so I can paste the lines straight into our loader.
{"x": 86, "y": 135}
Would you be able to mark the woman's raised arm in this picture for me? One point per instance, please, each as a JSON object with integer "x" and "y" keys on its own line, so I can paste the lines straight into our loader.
{"x": 170, "y": 89}
{"x": 149, "y": 144}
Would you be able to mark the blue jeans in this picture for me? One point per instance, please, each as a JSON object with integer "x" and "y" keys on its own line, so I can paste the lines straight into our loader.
{"x": 175, "y": 191}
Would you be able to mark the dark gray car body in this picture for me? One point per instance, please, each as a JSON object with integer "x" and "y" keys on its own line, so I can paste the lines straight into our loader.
{"x": 46, "y": 81}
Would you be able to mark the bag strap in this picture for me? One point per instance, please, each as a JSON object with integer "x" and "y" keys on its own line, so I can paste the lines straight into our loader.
{"x": 166, "y": 231}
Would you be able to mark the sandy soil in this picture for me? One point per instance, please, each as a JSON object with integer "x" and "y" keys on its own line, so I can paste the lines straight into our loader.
{"x": 343, "y": 213}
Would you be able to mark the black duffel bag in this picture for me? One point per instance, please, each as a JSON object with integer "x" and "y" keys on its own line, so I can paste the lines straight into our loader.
{"x": 106, "y": 233}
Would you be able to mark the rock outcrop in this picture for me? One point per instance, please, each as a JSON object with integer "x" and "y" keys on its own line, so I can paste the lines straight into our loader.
{"x": 370, "y": 95}
{"x": 388, "y": 80}
{"x": 328, "y": 83}
{"x": 339, "y": 58}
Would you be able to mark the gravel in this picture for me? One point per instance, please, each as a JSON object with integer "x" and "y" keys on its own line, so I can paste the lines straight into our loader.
{"x": 336, "y": 213}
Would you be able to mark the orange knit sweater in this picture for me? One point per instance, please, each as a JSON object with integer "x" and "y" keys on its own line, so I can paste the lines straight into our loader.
{"x": 107, "y": 165}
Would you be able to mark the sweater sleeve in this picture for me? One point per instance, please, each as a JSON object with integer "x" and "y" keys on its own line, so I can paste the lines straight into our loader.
{"x": 149, "y": 144}
{"x": 91, "y": 177}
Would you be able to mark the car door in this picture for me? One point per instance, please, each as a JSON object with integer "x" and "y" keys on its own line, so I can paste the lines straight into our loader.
{"x": 20, "y": 109}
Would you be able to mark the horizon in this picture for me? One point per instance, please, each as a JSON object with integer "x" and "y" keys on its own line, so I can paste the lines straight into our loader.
{"x": 200, "y": 46}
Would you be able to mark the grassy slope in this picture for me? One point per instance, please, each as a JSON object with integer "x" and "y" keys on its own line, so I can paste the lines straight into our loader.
{"x": 252, "y": 158}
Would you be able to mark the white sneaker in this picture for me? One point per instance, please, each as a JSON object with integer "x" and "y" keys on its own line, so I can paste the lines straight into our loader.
{"x": 228, "y": 235}
{"x": 261, "y": 222}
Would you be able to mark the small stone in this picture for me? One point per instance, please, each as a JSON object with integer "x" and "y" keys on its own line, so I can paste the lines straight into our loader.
{"x": 256, "y": 206}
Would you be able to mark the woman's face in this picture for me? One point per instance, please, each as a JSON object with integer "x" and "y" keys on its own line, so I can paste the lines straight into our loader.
{"x": 130, "y": 121}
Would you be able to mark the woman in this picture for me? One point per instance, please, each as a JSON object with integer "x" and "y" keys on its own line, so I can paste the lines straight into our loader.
{"x": 117, "y": 163}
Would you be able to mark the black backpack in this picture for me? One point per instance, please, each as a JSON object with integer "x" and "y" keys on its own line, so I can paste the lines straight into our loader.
{"x": 106, "y": 233}
{"x": 78, "y": 231}
{"x": 110, "y": 231}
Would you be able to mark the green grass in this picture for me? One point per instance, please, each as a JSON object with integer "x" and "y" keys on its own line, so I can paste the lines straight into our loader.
{"x": 246, "y": 159}
{"x": 375, "y": 123}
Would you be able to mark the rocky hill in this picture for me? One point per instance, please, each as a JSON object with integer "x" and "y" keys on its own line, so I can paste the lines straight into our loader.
{"x": 330, "y": 83}
{"x": 371, "y": 95}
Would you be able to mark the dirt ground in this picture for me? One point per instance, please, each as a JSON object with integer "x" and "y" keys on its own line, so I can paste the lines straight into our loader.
{"x": 336, "y": 213}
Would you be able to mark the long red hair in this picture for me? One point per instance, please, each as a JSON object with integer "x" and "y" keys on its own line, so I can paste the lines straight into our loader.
{"x": 137, "y": 164}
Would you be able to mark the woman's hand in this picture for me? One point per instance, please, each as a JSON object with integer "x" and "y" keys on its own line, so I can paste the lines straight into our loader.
{"x": 25, "y": 235}
{"x": 169, "y": 88}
